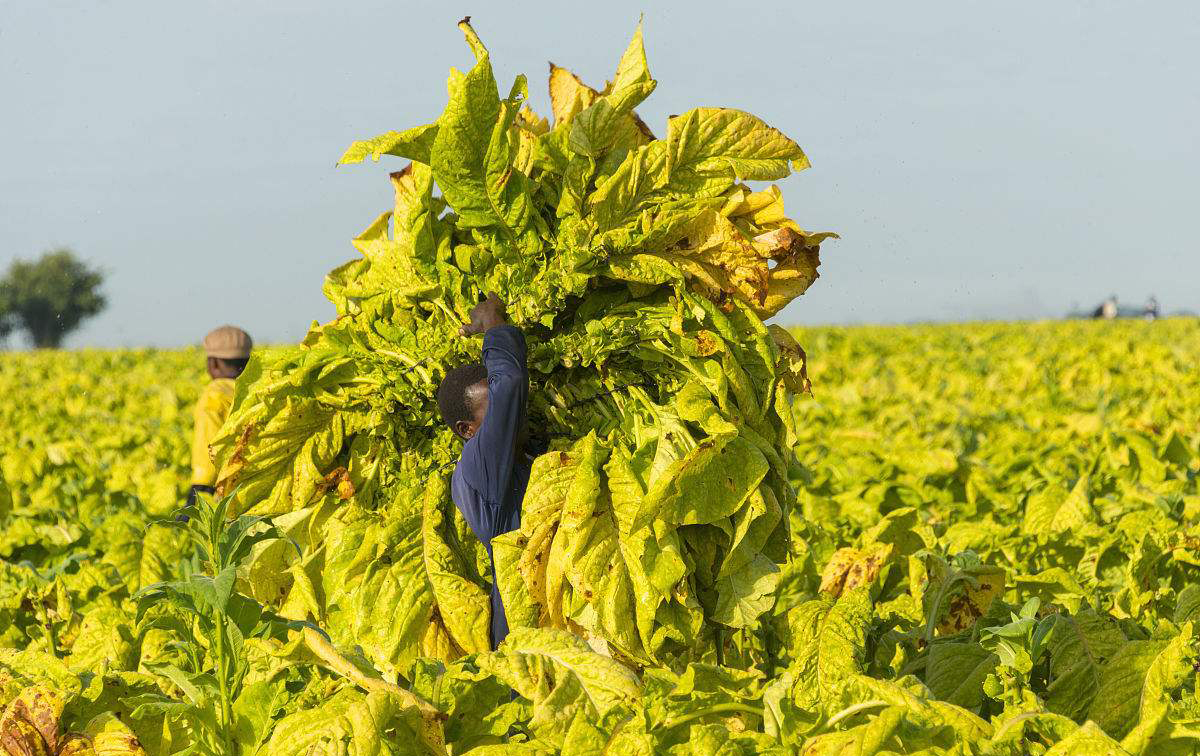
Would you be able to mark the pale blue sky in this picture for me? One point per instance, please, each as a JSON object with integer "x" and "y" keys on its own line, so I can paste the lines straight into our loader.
{"x": 981, "y": 160}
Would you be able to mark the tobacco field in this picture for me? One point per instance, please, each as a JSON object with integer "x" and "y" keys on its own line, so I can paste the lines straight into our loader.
{"x": 971, "y": 469}
{"x": 962, "y": 539}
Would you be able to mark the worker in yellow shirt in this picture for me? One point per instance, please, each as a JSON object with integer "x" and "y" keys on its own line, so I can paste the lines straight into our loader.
{"x": 228, "y": 351}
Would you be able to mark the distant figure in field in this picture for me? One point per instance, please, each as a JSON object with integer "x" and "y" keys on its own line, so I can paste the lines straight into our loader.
{"x": 228, "y": 351}
{"x": 1107, "y": 309}
{"x": 1152, "y": 311}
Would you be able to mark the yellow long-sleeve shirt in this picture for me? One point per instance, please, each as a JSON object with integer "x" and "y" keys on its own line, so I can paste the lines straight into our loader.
{"x": 211, "y": 411}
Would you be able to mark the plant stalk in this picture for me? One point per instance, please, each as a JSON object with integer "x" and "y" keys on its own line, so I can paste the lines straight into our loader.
{"x": 223, "y": 683}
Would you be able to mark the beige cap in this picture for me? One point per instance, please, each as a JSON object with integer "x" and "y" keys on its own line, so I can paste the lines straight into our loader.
{"x": 228, "y": 343}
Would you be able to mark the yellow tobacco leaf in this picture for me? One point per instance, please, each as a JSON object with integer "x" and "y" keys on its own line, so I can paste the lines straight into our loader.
{"x": 31, "y": 721}
{"x": 111, "y": 737}
{"x": 793, "y": 362}
{"x": 972, "y": 601}
{"x": 75, "y": 744}
{"x": 530, "y": 126}
{"x": 721, "y": 263}
{"x": 462, "y": 604}
{"x": 760, "y": 208}
{"x": 794, "y": 271}
{"x": 834, "y": 574}
{"x": 568, "y": 95}
{"x": 436, "y": 642}
{"x": 850, "y": 568}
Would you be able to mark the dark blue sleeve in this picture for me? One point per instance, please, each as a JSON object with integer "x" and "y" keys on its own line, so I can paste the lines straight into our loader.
{"x": 489, "y": 459}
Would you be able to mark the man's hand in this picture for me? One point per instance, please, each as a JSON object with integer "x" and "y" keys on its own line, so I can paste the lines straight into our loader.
{"x": 484, "y": 316}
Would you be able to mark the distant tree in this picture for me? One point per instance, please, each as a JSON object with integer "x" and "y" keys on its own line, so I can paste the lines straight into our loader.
{"x": 49, "y": 297}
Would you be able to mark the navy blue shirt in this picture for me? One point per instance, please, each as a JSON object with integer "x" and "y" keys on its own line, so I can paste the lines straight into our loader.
{"x": 490, "y": 478}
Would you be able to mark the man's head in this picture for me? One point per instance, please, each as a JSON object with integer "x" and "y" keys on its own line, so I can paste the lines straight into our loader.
{"x": 463, "y": 399}
{"x": 228, "y": 351}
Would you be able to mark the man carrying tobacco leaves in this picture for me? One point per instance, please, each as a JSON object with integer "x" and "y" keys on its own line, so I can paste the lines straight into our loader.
{"x": 484, "y": 404}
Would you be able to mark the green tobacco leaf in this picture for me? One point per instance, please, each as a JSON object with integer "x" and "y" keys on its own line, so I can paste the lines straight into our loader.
{"x": 1088, "y": 740}
{"x": 1176, "y": 451}
{"x": 1013, "y": 730}
{"x": 478, "y": 707}
{"x": 1052, "y": 586}
{"x": 1169, "y": 670}
{"x": 105, "y": 637}
{"x": 604, "y": 126}
{"x": 560, "y": 675}
{"x": 473, "y": 150}
{"x": 909, "y": 694}
{"x": 1187, "y": 605}
{"x": 460, "y": 148}
{"x": 142, "y": 554}
{"x": 702, "y": 692}
{"x": 583, "y": 737}
{"x": 21, "y": 669}
{"x": 162, "y": 548}
{"x": 115, "y": 696}
{"x": 632, "y": 69}
{"x": 828, "y": 645}
{"x": 955, "y": 672}
{"x": 414, "y": 144}
{"x": 1117, "y": 702}
{"x": 373, "y": 587}
{"x": 728, "y": 469}
{"x": 373, "y": 723}
{"x": 534, "y": 748}
{"x": 404, "y": 262}
{"x": 877, "y": 736}
{"x": 607, "y": 121}
{"x": 462, "y": 603}
{"x": 601, "y": 560}
{"x": 529, "y": 562}
{"x": 1079, "y": 647}
{"x": 747, "y": 593}
{"x": 1054, "y": 510}
{"x": 1151, "y": 469}
{"x": 708, "y": 149}
{"x": 620, "y": 196}
{"x": 903, "y": 530}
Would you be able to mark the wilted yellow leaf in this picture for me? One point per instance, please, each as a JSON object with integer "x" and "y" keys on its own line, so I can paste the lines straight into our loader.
{"x": 850, "y": 568}
{"x": 568, "y": 95}
{"x": 973, "y": 600}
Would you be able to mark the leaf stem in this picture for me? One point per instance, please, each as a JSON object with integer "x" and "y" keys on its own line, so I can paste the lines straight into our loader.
{"x": 943, "y": 592}
{"x": 725, "y": 708}
{"x": 850, "y": 711}
{"x": 1014, "y": 721}
{"x": 325, "y": 651}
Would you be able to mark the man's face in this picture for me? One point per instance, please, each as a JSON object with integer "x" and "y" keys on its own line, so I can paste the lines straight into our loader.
{"x": 477, "y": 400}
{"x": 218, "y": 368}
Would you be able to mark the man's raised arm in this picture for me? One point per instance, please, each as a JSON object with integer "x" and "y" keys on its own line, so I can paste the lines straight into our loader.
{"x": 493, "y": 450}
{"x": 508, "y": 389}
